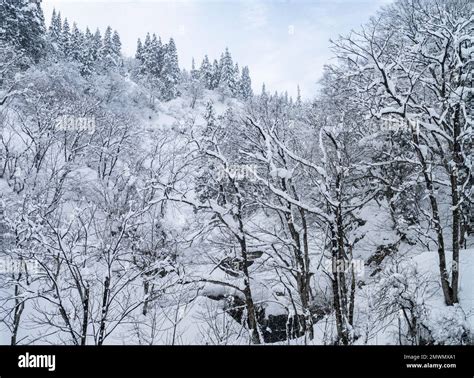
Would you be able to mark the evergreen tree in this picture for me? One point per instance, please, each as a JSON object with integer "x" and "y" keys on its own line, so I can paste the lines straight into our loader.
{"x": 88, "y": 60}
{"x": 245, "y": 84}
{"x": 227, "y": 77}
{"x": 194, "y": 84}
{"x": 55, "y": 27}
{"x": 159, "y": 55}
{"x": 264, "y": 99}
{"x": 206, "y": 72}
{"x": 153, "y": 57}
{"x": 88, "y": 35}
{"x": 54, "y": 33}
{"x": 78, "y": 50}
{"x": 216, "y": 74}
{"x": 107, "y": 46}
{"x": 194, "y": 72}
{"x": 236, "y": 86}
{"x": 146, "y": 46}
{"x": 23, "y": 28}
{"x": 96, "y": 46}
{"x": 66, "y": 40}
{"x": 139, "y": 53}
{"x": 146, "y": 55}
{"x": 171, "y": 72}
{"x": 116, "y": 44}
{"x": 111, "y": 48}
{"x": 210, "y": 117}
{"x": 298, "y": 98}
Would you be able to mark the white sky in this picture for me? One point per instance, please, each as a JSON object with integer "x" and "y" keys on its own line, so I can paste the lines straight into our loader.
{"x": 284, "y": 42}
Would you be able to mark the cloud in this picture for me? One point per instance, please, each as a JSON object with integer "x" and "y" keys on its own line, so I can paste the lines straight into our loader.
{"x": 254, "y": 14}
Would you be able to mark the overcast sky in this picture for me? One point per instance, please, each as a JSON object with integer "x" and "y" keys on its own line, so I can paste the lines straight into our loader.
{"x": 284, "y": 42}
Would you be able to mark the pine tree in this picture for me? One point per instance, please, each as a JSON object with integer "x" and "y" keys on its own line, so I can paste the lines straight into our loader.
{"x": 263, "y": 101}
{"x": 139, "y": 53}
{"x": 298, "y": 98}
{"x": 146, "y": 55}
{"x": 55, "y": 27}
{"x": 77, "y": 44}
{"x": 107, "y": 47}
{"x": 216, "y": 74}
{"x": 147, "y": 43}
{"x": 160, "y": 55}
{"x": 150, "y": 57}
{"x": 206, "y": 72}
{"x": 194, "y": 84}
{"x": 116, "y": 44}
{"x": 23, "y": 28}
{"x": 88, "y": 59}
{"x": 245, "y": 84}
{"x": 171, "y": 72}
{"x": 210, "y": 116}
{"x": 236, "y": 86}
{"x": 227, "y": 77}
{"x": 96, "y": 46}
{"x": 54, "y": 33}
{"x": 153, "y": 57}
{"x": 194, "y": 72}
{"x": 88, "y": 36}
{"x": 66, "y": 40}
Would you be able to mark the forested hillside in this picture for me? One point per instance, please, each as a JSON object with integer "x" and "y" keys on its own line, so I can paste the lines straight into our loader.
{"x": 142, "y": 203}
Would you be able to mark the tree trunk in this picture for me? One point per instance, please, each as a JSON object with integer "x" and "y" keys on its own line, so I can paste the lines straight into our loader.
{"x": 19, "y": 307}
{"x": 338, "y": 305}
{"x": 447, "y": 290}
{"x": 455, "y": 205}
{"x": 105, "y": 299}
{"x": 85, "y": 318}
{"x": 251, "y": 313}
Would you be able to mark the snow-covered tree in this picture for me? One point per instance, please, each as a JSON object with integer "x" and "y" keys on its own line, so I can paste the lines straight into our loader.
{"x": 116, "y": 45}
{"x": 66, "y": 43}
{"x": 23, "y": 28}
{"x": 216, "y": 74}
{"x": 227, "y": 80}
{"x": 246, "y": 91}
{"x": 139, "y": 51}
{"x": 111, "y": 49}
{"x": 96, "y": 46}
{"x": 77, "y": 44}
{"x": 206, "y": 72}
{"x": 414, "y": 61}
{"x": 54, "y": 33}
{"x": 171, "y": 73}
